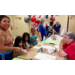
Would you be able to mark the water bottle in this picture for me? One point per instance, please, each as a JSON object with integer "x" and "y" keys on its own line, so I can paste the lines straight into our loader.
{"x": 44, "y": 38}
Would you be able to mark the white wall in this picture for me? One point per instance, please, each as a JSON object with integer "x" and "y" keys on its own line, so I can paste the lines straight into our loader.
{"x": 72, "y": 24}
{"x": 25, "y": 27}
{"x": 63, "y": 21}
{"x": 19, "y": 26}
{"x": 11, "y": 24}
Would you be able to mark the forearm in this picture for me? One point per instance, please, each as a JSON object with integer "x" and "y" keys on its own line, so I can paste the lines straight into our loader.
{"x": 61, "y": 52}
{"x": 54, "y": 31}
{"x": 60, "y": 30}
{"x": 24, "y": 47}
{"x": 40, "y": 34}
{"x": 33, "y": 41}
{"x": 6, "y": 48}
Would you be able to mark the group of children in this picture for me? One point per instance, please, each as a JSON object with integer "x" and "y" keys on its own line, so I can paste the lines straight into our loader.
{"x": 26, "y": 41}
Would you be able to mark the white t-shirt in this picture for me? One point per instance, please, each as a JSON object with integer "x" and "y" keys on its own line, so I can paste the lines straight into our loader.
{"x": 27, "y": 44}
{"x": 49, "y": 28}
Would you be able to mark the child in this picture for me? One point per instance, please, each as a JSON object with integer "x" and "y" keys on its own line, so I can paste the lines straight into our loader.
{"x": 18, "y": 43}
{"x": 33, "y": 37}
{"x": 50, "y": 29}
{"x": 26, "y": 41}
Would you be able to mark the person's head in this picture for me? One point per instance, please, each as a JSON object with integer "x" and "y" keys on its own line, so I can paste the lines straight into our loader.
{"x": 57, "y": 22}
{"x": 18, "y": 42}
{"x": 26, "y": 37}
{"x": 33, "y": 31}
{"x": 51, "y": 23}
{"x": 69, "y": 37}
{"x": 43, "y": 21}
{"x": 4, "y": 22}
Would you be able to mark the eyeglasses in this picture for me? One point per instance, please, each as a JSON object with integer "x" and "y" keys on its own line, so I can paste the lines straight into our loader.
{"x": 65, "y": 37}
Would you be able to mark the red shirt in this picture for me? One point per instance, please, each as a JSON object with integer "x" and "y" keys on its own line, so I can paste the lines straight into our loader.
{"x": 70, "y": 50}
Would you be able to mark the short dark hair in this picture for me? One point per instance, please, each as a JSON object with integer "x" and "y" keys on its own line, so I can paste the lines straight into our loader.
{"x": 17, "y": 41}
{"x": 3, "y": 16}
{"x": 32, "y": 29}
{"x": 51, "y": 23}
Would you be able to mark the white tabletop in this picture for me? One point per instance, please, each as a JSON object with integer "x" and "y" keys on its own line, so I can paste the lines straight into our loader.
{"x": 58, "y": 38}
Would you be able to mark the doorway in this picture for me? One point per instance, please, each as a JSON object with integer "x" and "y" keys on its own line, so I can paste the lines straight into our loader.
{"x": 18, "y": 26}
{"x": 72, "y": 24}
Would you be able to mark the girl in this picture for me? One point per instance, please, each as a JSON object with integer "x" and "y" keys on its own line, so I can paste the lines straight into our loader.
{"x": 18, "y": 43}
{"x": 26, "y": 41}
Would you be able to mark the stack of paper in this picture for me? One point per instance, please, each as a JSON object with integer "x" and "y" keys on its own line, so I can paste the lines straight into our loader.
{"x": 43, "y": 56}
{"x": 57, "y": 46}
{"x": 51, "y": 50}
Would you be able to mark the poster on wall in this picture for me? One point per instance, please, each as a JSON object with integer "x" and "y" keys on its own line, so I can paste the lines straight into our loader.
{"x": 34, "y": 25}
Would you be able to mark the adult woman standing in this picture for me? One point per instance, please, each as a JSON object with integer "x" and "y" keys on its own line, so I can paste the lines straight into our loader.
{"x": 42, "y": 29}
{"x": 6, "y": 40}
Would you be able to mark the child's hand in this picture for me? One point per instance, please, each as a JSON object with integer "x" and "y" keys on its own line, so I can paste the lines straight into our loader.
{"x": 40, "y": 38}
{"x": 21, "y": 52}
{"x": 35, "y": 40}
{"x": 27, "y": 49}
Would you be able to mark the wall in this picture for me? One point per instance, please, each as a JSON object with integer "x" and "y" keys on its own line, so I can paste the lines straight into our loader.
{"x": 19, "y": 26}
{"x": 63, "y": 21}
{"x": 11, "y": 24}
{"x": 72, "y": 24}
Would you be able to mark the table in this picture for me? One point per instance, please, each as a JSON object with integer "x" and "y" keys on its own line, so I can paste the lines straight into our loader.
{"x": 18, "y": 59}
{"x": 50, "y": 40}
{"x": 58, "y": 38}
{"x": 32, "y": 52}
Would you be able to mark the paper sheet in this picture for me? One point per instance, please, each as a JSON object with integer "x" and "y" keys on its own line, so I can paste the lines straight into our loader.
{"x": 37, "y": 47}
{"x": 47, "y": 47}
{"x": 43, "y": 56}
{"x": 57, "y": 46}
{"x": 62, "y": 32}
{"x": 24, "y": 51}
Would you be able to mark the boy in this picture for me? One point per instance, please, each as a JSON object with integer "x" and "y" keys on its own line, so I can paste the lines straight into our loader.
{"x": 49, "y": 29}
{"x": 33, "y": 37}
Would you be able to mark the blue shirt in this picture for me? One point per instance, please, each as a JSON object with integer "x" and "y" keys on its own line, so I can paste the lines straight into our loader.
{"x": 42, "y": 30}
{"x": 6, "y": 55}
{"x": 32, "y": 38}
{"x": 57, "y": 29}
